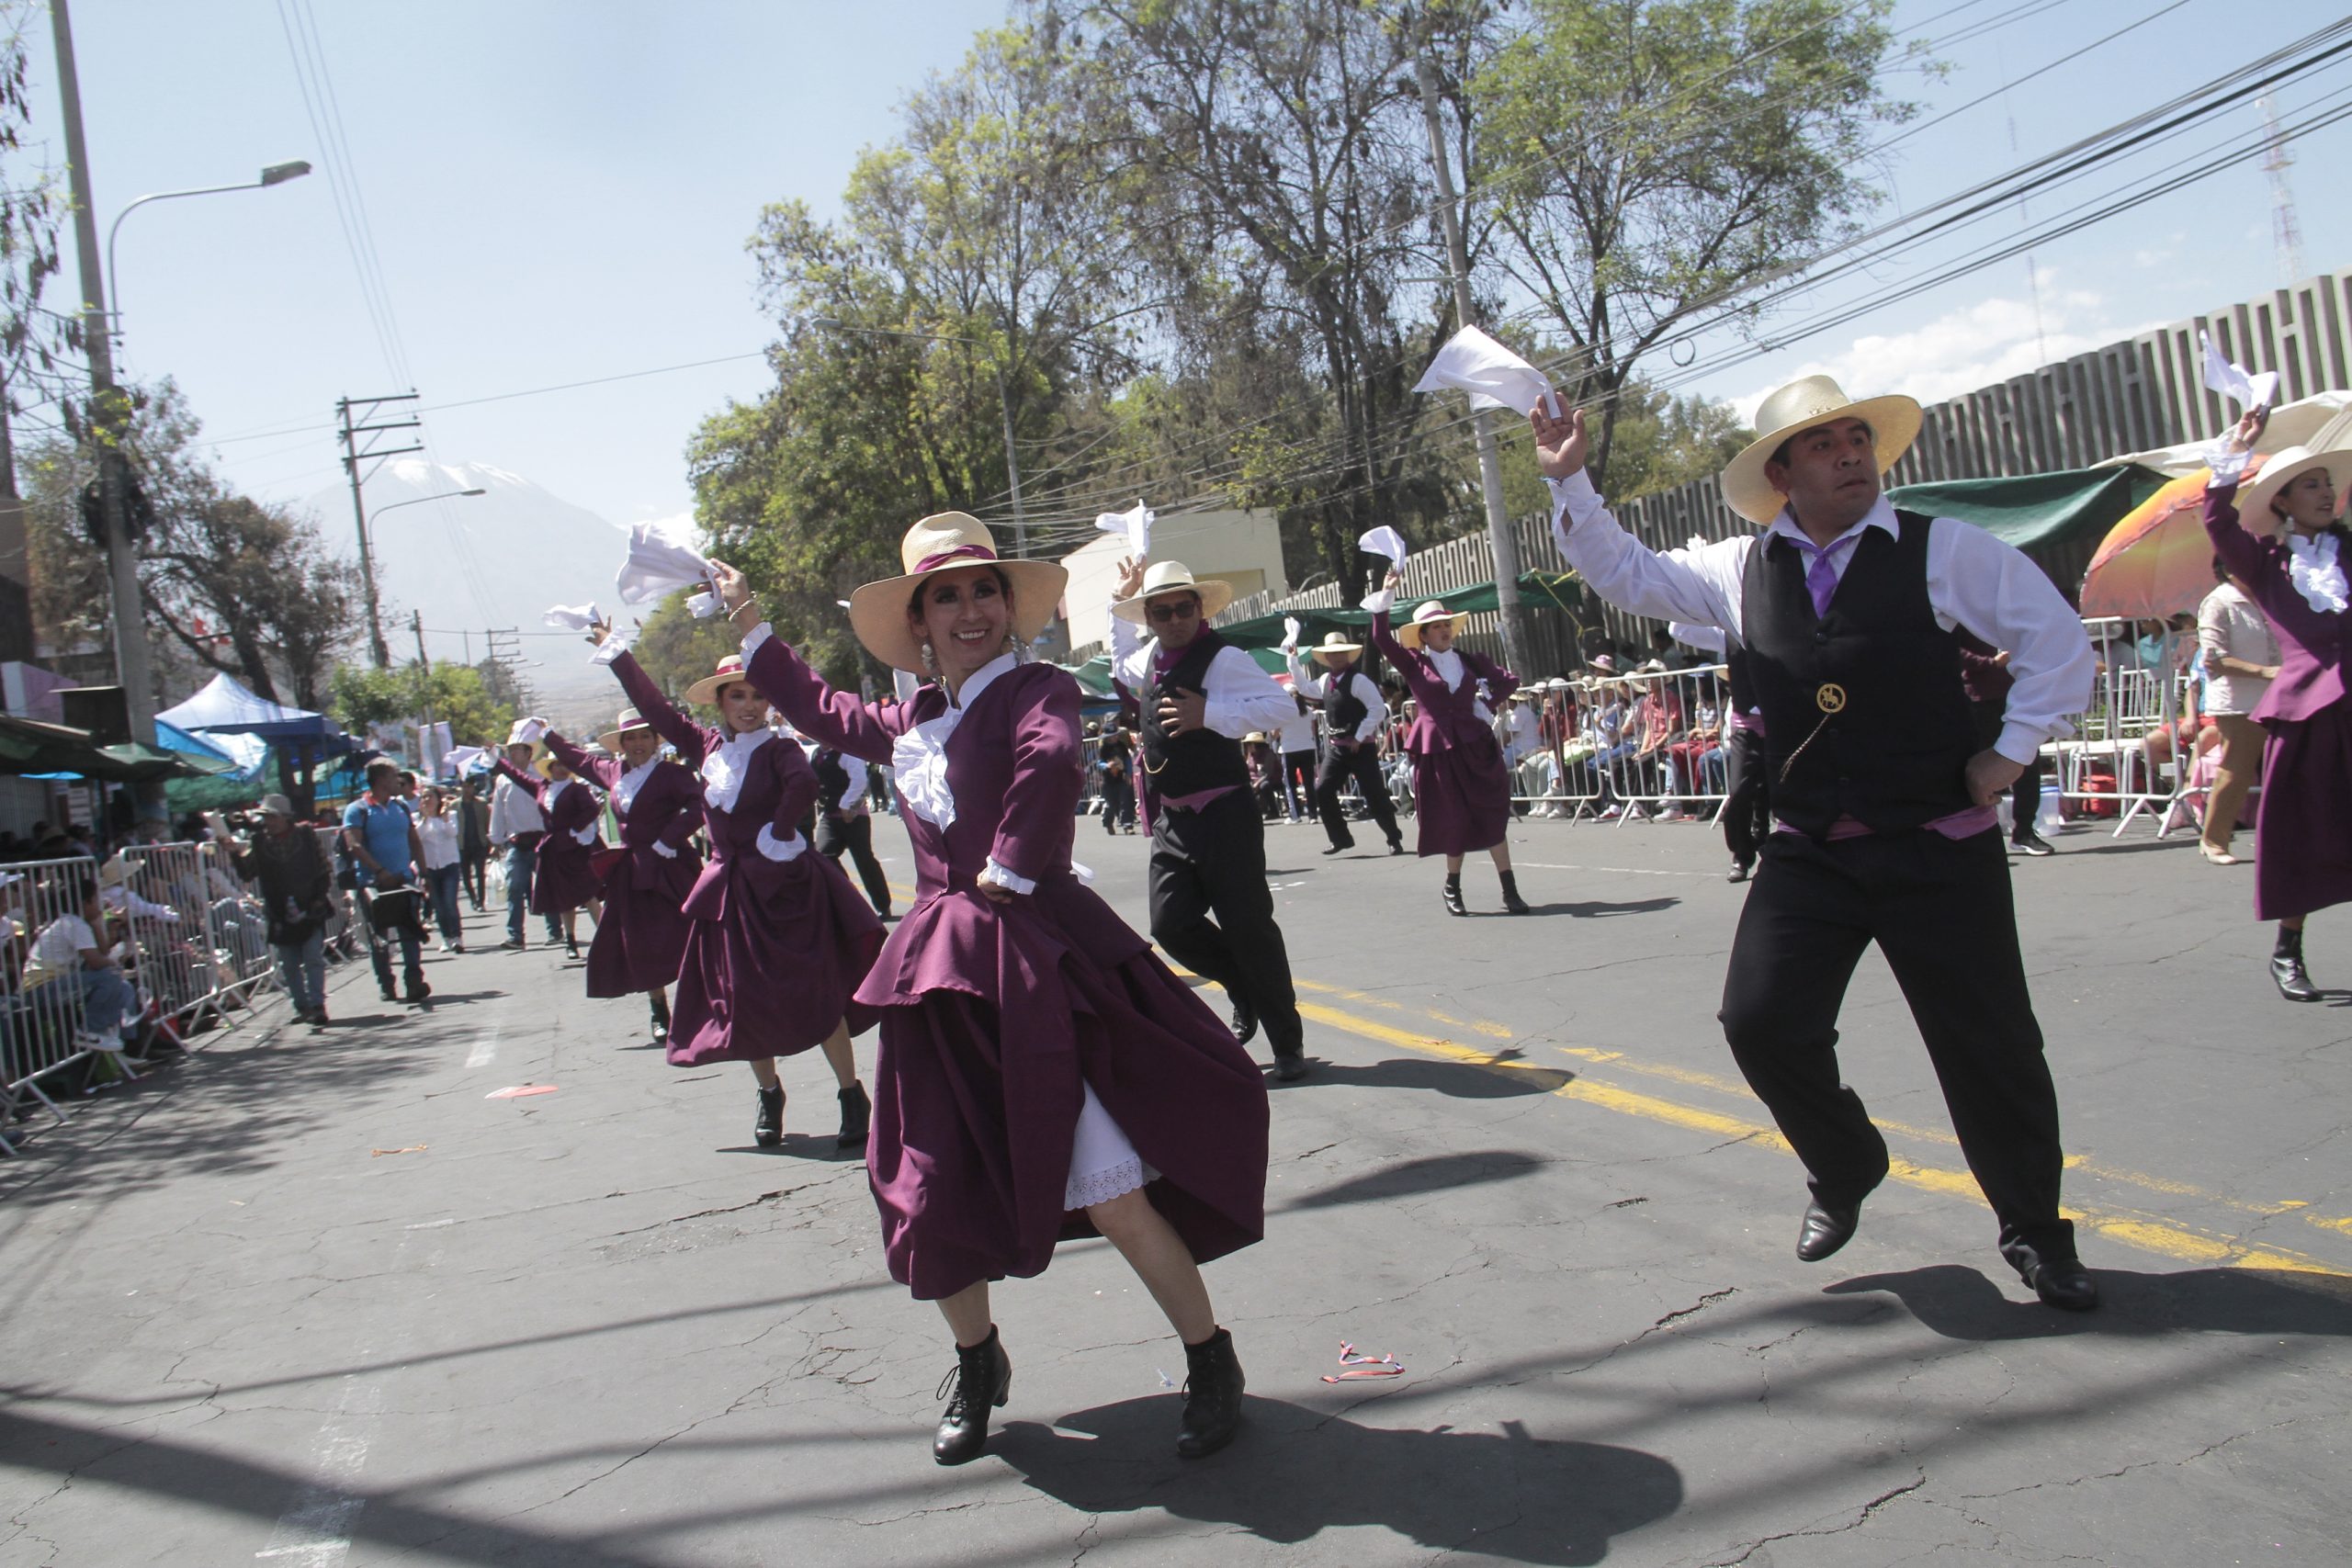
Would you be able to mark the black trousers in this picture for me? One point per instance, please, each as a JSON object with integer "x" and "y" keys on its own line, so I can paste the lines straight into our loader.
{"x": 1939, "y": 909}
{"x": 1747, "y": 811}
{"x": 393, "y": 917}
{"x": 474, "y": 879}
{"x": 1118, "y": 803}
{"x": 1362, "y": 764}
{"x": 1212, "y": 912}
{"x": 855, "y": 835}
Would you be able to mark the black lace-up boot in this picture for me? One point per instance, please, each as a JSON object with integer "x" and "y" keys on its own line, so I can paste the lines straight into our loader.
{"x": 982, "y": 1381}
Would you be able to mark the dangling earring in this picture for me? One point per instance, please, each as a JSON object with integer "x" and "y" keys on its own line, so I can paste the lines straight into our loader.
{"x": 930, "y": 658}
{"x": 1015, "y": 646}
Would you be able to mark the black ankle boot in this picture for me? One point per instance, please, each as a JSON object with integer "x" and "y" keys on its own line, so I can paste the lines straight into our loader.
{"x": 768, "y": 1130}
{"x": 2287, "y": 968}
{"x": 1511, "y": 900}
{"x": 857, "y": 1115}
{"x": 661, "y": 1018}
{"x": 982, "y": 1381}
{"x": 1213, "y": 1385}
{"x": 1453, "y": 895}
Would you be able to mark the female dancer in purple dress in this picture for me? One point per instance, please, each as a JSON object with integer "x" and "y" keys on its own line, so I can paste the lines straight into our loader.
{"x": 642, "y": 931}
{"x": 565, "y": 880}
{"x": 2302, "y": 841}
{"x": 1042, "y": 1074}
{"x": 1460, "y": 787}
{"x": 777, "y": 940}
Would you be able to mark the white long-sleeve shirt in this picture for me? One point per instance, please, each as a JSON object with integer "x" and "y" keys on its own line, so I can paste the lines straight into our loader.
{"x": 1318, "y": 687}
{"x": 1974, "y": 580}
{"x": 512, "y": 811}
{"x": 1242, "y": 697}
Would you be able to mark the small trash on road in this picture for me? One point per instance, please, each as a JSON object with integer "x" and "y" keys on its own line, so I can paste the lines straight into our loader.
{"x": 411, "y": 1149}
{"x": 1357, "y": 1366}
{"x": 516, "y": 1092}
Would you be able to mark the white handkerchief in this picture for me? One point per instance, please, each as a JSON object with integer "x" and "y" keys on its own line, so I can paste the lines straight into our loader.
{"x": 530, "y": 731}
{"x": 657, "y": 564}
{"x": 2233, "y": 381}
{"x": 1134, "y": 526}
{"x": 702, "y": 606}
{"x": 573, "y": 617}
{"x": 1291, "y": 628}
{"x": 1384, "y": 541}
{"x": 464, "y": 760}
{"x": 1493, "y": 376}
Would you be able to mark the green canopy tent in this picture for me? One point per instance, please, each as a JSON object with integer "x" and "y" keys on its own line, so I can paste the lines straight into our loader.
{"x": 2056, "y": 518}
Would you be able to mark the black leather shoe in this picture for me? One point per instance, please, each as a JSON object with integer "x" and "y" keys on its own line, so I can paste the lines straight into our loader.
{"x": 1511, "y": 900}
{"x": 1245, "y": 1021}
{"x": 417, "y": 989}
{"x": 1740, "y": 870}
{"x": 1289, "y": 1066}
{"x": 767, "y": 1129}
{"x": 1453, "y": 898}
{"x": 2294, "y": 982}
{"x": 1395, "y": 846}
{"x": 2032, "y": 843}
{"x": 1213, "y": 1385}
{"x": 2061, "y": 1282}
{"x": 1826, "y": 1230}
{"x": 1340, "y": 848}
{"x": 660, "y": 1020}
{"x": 982, "y": 1381}
{"x": 857, "y": 1116}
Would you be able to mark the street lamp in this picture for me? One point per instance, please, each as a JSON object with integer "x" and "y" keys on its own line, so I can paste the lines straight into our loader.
{"x": 377, "y": 648}
{"x": 274, "y": 174}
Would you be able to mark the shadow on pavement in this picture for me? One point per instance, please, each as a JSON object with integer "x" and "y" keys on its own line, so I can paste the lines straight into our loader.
{"x": 817, "y": 1146}
{"x": 1433, "y": 1173}
{"x": 1462, "y": 1080}
{"x": 1958, "y": 1303}
{"x": 1596, "y": 908}
{"x": 1295, "y": 1473}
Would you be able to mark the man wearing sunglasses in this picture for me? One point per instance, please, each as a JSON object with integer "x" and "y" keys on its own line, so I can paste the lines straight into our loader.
{"x": 1211, "y": 909}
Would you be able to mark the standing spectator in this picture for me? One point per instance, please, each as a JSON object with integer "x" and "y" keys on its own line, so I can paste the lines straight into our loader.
{"x": 517, "y": 822}
{"x": 382, "y": 837}
{"x": 297, "y": 891}
{"x": 845, "y": 822}
{"x": 2241, "y": 661}
{"x": 1117, "y": 751}
{"x": 1296, "y": 741}
{"x": 74, "y": 952}
{"x": 473, "y": 840}
{"x": 438, "y": 835}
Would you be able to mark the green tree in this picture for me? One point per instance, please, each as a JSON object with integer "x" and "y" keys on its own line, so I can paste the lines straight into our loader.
{"x": 1652, "y": 162}
{"x": 455, "y": 694}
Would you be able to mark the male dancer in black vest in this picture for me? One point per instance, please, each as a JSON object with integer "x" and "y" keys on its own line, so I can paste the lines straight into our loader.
{"x": 1354, "y": 713}
{"x": 1198, "y": 696}
{"x": 845, "y": 821}
{"x": 1846, "y": 608}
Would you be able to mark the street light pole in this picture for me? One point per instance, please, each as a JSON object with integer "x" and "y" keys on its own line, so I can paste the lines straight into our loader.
{"x": 274, "y": 174}
{"x": 377, "y": 647}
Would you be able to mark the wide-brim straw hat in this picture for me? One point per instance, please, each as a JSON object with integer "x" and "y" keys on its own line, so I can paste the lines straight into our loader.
{"x": 731, "y": 670}
{"x": 1799, "y": 406}
{"x": 629, "y": 723}
{"x": 1335, "y": 642}
{"x": 2280, "y": 469}
{"x": 1174, "y": 576}
{"x": 546, "y": 760}
{"x": 877, "y": 610}
{"x": 1410, "y": 634}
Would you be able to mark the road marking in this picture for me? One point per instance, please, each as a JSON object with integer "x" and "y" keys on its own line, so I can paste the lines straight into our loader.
{"x": 1617, "y": 870}
{"x": 315, "y": 1529}
{"x": 485, "y": 1050}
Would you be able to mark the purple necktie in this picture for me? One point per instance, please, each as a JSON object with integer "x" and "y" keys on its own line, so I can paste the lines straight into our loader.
{"x": 1821, "y": 578}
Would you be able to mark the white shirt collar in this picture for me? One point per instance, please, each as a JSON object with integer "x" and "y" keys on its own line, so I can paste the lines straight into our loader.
{"x": 1879, "y": 515}
{"x": 979, "y": 679}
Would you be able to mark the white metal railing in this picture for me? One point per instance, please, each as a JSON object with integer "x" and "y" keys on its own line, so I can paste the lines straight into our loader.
{"x": 43, "y": 1003}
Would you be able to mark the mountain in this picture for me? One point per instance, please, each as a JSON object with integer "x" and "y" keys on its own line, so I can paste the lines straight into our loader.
{"x": 498, "y": 560}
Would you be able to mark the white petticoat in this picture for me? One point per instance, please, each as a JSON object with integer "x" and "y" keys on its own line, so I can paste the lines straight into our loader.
{"x": 1102, "y": 1164}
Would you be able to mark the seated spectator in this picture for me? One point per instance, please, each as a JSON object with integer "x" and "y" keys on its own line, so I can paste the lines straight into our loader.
{"x": 71, "y": 953}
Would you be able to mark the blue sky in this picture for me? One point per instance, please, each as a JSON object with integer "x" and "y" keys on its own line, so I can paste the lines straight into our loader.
{"x": 562, "y": 191}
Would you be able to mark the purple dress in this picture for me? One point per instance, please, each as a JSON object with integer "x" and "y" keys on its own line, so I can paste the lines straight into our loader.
{"x": 775, "y": 948}
{"x": 996, "y": 1019}
{"x": 1461, "y": 788}
{"x": 2303, "y": 840}
{"x": 565, "y": 877}
{"x": 642, "y": 935}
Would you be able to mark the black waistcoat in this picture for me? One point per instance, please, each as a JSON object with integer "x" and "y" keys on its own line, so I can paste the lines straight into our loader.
{"x": 1344, "y": 707}
{"x": 1895, "y": 753}
{"x": 1198, "y": 759}
{"x": 833, "y": 779}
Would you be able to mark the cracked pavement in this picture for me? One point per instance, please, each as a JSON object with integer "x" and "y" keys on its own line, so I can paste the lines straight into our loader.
{"x": 600, "y": 1327}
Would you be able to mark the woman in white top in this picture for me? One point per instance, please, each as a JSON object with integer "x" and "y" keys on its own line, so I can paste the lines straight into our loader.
{"x": 437, "y": 830}
{"x": 2241, "y": 661}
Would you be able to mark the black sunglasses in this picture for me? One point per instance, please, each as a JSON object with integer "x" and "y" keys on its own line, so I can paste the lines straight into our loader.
{"x": 1176, "y": 610}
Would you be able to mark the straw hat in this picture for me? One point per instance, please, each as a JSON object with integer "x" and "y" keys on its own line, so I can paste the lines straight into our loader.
{"x": 1800, "y": 406}
{"x": 1336, "y": 642}
{"x": 1255, "y": 737}
{"x": 629, "y": 723}
{"x": 1410, "y": 634}
{"x": 1174, "y": 576}
{"x": 275, "y": 805}
{"x": 731, "y": 670}
{"x": 877, "y": 610}
{"x": 2282, "y": 469}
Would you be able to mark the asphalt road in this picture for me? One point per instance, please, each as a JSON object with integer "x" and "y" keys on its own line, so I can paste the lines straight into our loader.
{"x": 316, "y": 1300}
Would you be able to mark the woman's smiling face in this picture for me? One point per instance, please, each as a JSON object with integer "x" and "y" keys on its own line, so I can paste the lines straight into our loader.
{"x": 966, "y": 616}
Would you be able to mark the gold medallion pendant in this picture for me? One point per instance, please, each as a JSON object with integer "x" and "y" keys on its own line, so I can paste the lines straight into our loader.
{"x": 1830, "y": 697}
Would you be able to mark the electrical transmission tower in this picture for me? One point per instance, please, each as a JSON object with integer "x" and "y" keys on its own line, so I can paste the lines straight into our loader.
{"x": 2285, "y": 231}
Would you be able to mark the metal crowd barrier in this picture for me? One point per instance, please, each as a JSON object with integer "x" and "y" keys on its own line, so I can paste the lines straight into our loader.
{"x": 201, "y": 935}
{"x": 2127, "y": 757}
{"x": 42, "y": 1010}
{"x": 1645, "y": 745}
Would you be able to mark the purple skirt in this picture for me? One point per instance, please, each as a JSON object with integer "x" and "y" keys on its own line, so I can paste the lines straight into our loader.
{"x": 641, "y": 939}
{"x": 1461, "y": 796}
{"x": 991, "y": 1020}
{"x": 775, "y": 973}
{"x": 563, "y": 878}
{"x": 2303, "y": 840}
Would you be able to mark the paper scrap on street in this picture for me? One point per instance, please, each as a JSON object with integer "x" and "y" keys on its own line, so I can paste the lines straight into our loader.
{"x": 1353, "y": 1365}
{"x": 516, "y": 1092}
{"x": 411, "y": 1149}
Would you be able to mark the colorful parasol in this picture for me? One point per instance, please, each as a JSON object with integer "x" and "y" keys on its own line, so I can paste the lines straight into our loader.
{"x": 2157, "y": 561}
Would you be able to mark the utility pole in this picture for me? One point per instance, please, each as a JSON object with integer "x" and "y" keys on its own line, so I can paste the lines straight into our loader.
{"x": 2286, "y": 233}
{"x": 1501, "y": 539}
{"x": 427, "y": 763}
{"x": 351, "y": 413}
{"x": 109, "y": 410}
{"x": 1013, "y": 471}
